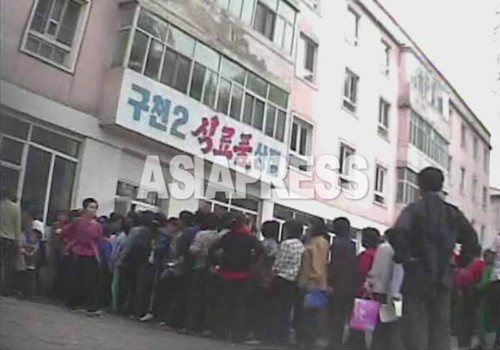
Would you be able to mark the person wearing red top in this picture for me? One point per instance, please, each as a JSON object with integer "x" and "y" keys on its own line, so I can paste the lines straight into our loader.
{"x": 468, "y": 276}
{"x": 83, "y": 237}
{"x": 370, "y": 241}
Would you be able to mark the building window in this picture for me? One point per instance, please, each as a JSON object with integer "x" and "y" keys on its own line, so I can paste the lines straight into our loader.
{"x": 462, "y": 180}
{"x": 55, "y": 31}
{"x": 300, "y": 144}
{"x": 383, "y": 118}
{"x": 407, "y": 186}
{"x": 275, "y": 19}
{"x": 241, "y": 9}
{"x": 485, "y": 197}
{"x": 345, "y": 165}
{"x": 40, "y": 164}
{"x": 486, "y": 159}
{"x": 282, "y": 214}
{"x": 224, "y": 201}
{"x": 474, "y": 189}
{"x": 130, "y": 192}
{"x": 380, "y": 184}
{"x": 475, "y": 148}
{"x": 385, "y": 57}
{"x": 481, "y": 238}
{"x": 463, "y": 137}
{"x": 352, "y": 27}
{"x": 428, "y": 140}
{"x": 166, "y": 54}
{"x": 351, "y": 81}
{"x": 306, "y": 58}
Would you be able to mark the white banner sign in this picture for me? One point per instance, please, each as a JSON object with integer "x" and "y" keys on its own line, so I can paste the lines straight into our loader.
{"x": 166, "y": 115}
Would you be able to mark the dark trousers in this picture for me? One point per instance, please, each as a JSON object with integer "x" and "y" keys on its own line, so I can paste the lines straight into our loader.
{"x": 426, "y": 321}
{"x": 201, "y": 301}
{"x": 283, "y": 295}
{"x": 9, "y": 255}
{"x": 143, "y": 301}
{"x": 163, "y": 298}
{"x": 259, "y": 309}
{"x": 83, "y": 282}
{"x": 177, "y": 307}
{"x": 340, "y": 309}
{"x": 233, "y": 310}
{"x": 387, "y": 336}
{"x": 105, "y": 279}
{"x": 465, "y": 312}
{"x": 307, "y": 322}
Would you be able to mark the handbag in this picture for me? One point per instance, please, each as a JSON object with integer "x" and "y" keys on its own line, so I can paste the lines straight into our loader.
{"x": 315, "y": 299}
{"x": 365, "y": 315}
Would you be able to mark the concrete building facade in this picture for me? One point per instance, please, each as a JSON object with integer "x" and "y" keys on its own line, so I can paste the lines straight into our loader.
{"x": 90, "y": 88}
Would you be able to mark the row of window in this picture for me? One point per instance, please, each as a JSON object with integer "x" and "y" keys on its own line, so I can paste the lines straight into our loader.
{"x": 475, "y": 147}
{"x": 428, "y": 140}
{"x": 166, "y": 54}
{"x": 474, "y": 187}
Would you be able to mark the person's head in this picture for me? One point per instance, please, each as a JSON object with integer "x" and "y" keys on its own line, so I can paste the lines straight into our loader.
{"x": 159, "y": 220}
{"x": 37, "y": 230}
{"x": 430, "y": 179}
{"x": 147, "y": 218}
{"x": 116, "y": 222}
{"x": 398, "y": 239}
{"x": 341, "y": 227}
{"x": 370, "y": 238}
{"x": 62, "y": 217}
{"x": 317, "y": 227}
{"x": 75, "y": 214}
{"x": 207, "y": 220}
{"x": 133, "y": 219}
{"x": 173, "y": 226}
{"x": 90, "y": 207}
{"x": 8, "y": 193}
{"x": 293, "y": 229}
{"x": 187, "y": 219}
{"x": 103, "y": 220}
{"x": 225, "y": 221}
{"x": 489, "y": 257}
{"x": 270, "y": 229}
{"x": 239, "y": 222}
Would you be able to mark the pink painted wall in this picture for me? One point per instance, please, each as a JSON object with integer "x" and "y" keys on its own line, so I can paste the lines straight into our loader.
{"x": 80, "y": 89}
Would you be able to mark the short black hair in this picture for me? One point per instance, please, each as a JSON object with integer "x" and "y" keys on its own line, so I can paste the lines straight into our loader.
{"x": 208, "y": 220}
{"x": 370, "y": 237}
{"x": 135, "y": 217}
{"x": 430, "y": 179}
{"x": 398, "y": 239}
{"x": 270, "y": 229}
{"x": 187, "y": 218}
{"x": 318, "y": 226}
{"x": 225, "y": 220}
{"x": 115, "y": 217}
{"x": 238, "y": 220}
{"x": 341, "y": 227}
{"x": 293, "y": 229}
{"x": 148, "y": 217}
{"x": 87, "y": 201}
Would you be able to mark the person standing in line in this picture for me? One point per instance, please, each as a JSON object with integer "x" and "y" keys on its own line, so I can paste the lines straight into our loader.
{"x": 313, "y": 276}
{"x": 343, "y": 281}
{"x": 240, "y": 249}
{"x": 284, "y": 287}
{"x": 84, "y": 235}
{"x": 260, "y": 297}
{"x": 54, "y": 252}
{"x": 383, "y": 283}
{"x": 489, "y": 300}
{"x": 434, "y": 228}
{"x": 199, "y": 311}
{"x": 10, "y": 239}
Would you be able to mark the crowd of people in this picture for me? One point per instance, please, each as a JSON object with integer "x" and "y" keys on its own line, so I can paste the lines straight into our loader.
{"x": 216, "y": 275}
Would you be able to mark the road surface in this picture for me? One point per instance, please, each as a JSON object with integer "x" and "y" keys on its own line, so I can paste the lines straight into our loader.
{"x": 26, "y": 325}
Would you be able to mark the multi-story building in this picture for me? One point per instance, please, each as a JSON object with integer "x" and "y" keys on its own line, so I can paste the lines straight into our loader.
{"x": 90, "y": 88}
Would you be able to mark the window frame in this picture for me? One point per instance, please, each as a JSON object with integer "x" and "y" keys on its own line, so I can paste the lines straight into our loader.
{"x": 354, "y": 41}
{"x": 73, "y": 50}
{"x": 305, "y": 42}
{"x": 485, "y": 198}
{"x": 475, "y": 148}
{"x": 385, "y": 63}
{"x": 407, "y": 190}
{"x": 348, "y": 102}
{"x": 379, "y": 194}
{"x": 382, "y": 129}
{"x": 298, "y": 160}
{"x": 463, "y": 179}
{"x": 345, "y": 151}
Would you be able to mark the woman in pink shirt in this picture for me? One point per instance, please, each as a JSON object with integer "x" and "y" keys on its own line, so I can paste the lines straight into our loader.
{"x": 83, "y": 236}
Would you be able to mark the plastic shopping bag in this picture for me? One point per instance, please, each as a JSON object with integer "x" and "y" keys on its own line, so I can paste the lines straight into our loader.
{"x": 365, "y": 315}
{"x": 315, "y": 299}
{"x": 388, "y": 313}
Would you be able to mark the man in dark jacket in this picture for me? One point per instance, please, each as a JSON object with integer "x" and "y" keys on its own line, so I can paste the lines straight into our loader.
{"x": 434, "y": 228}
{"x": 342, "y": 280}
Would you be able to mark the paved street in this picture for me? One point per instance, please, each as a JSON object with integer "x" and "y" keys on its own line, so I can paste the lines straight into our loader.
{"x": 26, "y": 325}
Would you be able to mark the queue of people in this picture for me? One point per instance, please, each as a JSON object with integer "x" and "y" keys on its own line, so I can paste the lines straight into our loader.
{"x": 210, "y": 274}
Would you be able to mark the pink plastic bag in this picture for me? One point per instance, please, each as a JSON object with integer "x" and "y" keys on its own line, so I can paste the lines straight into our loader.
{"x": 365, "y": 315}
